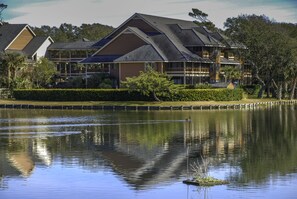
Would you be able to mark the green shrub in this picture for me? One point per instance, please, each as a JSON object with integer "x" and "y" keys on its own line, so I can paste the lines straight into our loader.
{"x": 209, "y": 95}
{"x": 124, "y": 95}
{"x": 78, "y": 95}
{"x": 198, "y": 86}
{"x": 251, "y": 90}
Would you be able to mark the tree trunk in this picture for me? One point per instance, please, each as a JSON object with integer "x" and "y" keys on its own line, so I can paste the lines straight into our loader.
{"x": 260, "y": 94}
{"x": 263, "y": 85}
{"x": 293, "y": 89}
{"x": 268, "y": 85}
{"x": 261, "y": 91}
{"x": 285, "y": 90}
{"x": 155, "y": 97}
{"x": 275, "y": 89}
{"x": 8, "y": 77}
{"x": 279, "y": 91}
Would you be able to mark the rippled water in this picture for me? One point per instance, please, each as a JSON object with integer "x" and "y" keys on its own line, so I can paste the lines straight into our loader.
{"x": 99, "y": 154}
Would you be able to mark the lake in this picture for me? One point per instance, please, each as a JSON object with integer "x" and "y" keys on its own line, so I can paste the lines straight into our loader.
{"x": 99, "y": 154}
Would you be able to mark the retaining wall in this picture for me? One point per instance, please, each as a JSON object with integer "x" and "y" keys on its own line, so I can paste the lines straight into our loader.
{"x": 149, "y": 108}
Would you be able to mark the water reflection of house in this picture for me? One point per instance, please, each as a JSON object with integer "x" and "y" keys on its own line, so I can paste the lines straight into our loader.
{"x": 6, "y": 168}
{"x": 22, "y": 162}
{"x": 16, "y": 163}
{"x": 141, "y": 172}
{"x": 40, "y": 149}
{"x": 220, "y": 139}
{"x": 142, "y": 167}
{"x": 140, "y": 163}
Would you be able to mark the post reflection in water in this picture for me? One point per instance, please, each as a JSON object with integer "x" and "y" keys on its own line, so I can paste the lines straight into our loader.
{"x": 147, "y": 154}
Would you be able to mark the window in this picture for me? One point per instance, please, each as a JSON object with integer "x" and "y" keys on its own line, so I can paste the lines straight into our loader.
{"x": 205, "y": 54}
{"x": 231, "y": 56}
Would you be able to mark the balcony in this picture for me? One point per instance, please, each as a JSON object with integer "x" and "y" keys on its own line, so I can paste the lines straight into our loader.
{"x": 203, "y": 71}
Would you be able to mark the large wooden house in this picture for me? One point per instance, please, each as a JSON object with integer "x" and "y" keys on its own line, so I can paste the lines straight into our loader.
{"x": 68, "y": 55}
{"x": 20, "y": 38}
{"x": 188, "y": 53}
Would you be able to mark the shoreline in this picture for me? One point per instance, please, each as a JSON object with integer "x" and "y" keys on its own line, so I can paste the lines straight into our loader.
{"x": 142, "y": 106}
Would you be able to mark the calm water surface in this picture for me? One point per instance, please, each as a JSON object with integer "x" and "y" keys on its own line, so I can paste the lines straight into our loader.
{"x": 96, "y": 154}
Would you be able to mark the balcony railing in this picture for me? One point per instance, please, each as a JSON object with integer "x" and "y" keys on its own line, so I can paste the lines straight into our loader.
{"x": 72, "y": 59}
{"x": 187, "y": 70}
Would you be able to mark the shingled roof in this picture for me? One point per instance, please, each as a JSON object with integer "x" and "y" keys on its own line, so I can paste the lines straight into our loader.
{"x": 227, "y": 41}
{"x": 34, "y": 45}
{"x": 169, "y": 40}
{"x": 8, "y": 32}
{"x": 143, "y": 53}
{"x": 82, "y": 44}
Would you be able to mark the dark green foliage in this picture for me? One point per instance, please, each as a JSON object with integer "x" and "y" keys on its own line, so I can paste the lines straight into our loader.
{"x": 12, "y": 63}
{"x": 152, "y": 83}
{"x": 231, "y": 73}
{"x": 201, "y": 19}
{"x": 124, "y": 95}
{"x": 78, "y": 95}
{"x": 43, "y": 71}
{"x": 198, "y": 86}
{"x": 2, "y": 7}
{"x": 75, "y": 82}
{"x": 100, "y": 81}
{"x": 271, "y": 50}
{"x": 203, "y": 86}
{"x": 251, "y": 89}
{"x": 209, "y": 95}
{"x": 69, "y": 33}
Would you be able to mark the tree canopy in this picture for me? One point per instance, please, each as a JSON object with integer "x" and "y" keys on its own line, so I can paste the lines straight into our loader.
{"x": 201, "y": 19}
{"x": 69, "y": 33}
{"x": 2, "y": 7}
{"x": 151, "y": 83}
{"x": 231, "y": 73}
{"x": 11, "y": 64}
{"x": 17, "y": 72}
{"x": 43, "y": 72}
{"x": 271, "y": 50}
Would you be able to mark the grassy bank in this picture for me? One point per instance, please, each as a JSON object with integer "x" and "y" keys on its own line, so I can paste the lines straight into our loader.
{"x": 135, "y": 103}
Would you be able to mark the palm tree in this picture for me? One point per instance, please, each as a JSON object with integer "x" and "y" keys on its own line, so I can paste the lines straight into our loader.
{"x": 231, "y": 73}
{"x": 11, "y": 63}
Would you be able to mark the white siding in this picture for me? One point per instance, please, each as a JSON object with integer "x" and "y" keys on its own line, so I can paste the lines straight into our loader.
{"x": 43, "y": 48}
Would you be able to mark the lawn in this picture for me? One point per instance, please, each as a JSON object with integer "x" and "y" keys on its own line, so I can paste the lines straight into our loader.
{"x": 135, "y": 103}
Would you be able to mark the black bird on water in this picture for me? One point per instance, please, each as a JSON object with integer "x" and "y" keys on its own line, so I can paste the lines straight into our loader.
{"x": 85, "y": 131}
{"x": 188, "y": 119}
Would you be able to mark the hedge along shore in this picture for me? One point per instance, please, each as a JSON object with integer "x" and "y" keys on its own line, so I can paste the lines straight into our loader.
{"x": 112, "y": 107}
{"x": 125, "y": 95}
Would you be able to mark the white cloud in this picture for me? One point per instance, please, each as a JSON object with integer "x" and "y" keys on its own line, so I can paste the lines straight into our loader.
{"x": 114, "y": 12}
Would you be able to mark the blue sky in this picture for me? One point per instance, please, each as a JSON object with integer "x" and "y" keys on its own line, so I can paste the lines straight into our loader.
{"x": 114, "y": 12}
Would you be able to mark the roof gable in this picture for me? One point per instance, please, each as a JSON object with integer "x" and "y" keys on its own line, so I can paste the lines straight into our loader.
{"x": 8, "y": 33}
{"x": 35, "y": 44}
{"x": 163, "y": 24}
{"x": 143, "y": 53}
{"x": 21, "y": 39}
{"x": 123, "y": 43}
{"x": 134, "y": 21}
{"x": 168, "y": 37}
